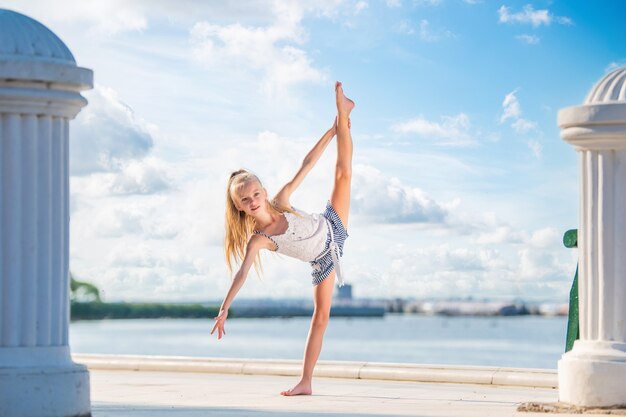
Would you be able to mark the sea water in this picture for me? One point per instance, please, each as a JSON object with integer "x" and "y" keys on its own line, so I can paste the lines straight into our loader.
{"x": 521, "y": 341}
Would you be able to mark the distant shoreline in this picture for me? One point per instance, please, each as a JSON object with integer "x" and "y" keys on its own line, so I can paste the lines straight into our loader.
{"x": 123, "y": 310}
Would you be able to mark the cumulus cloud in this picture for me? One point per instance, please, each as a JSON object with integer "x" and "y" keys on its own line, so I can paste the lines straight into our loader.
{"x": 274, "y": 50}
{"x": 451, "y": 131}
{"x": 499, "y": 235}
{"x": 118, "y": 222}
{"x": 455, "y": 270}
{"x": 140, "y": 177}
{"x": 110, "y": 151}
{"x": 512, "y": 112}
{"x": 529, "y": 15}
{"x": 381, "y": 199}
{"x": 113, "y": 17}
{"x": 106, "y": 134}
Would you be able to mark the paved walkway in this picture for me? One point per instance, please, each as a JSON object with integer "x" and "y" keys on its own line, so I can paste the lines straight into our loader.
{"x": 124, "y": 393}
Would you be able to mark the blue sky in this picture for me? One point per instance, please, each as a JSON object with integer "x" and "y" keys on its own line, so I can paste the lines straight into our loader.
{"x": 462, "y": 186}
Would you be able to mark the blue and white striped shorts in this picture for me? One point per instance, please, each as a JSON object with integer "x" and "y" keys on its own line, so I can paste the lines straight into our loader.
{"x": 323, "y": 266}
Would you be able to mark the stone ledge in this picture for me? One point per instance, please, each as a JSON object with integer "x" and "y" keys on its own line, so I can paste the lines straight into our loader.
{"x": 542, "y": 378}
{"x": 561, "y": 408}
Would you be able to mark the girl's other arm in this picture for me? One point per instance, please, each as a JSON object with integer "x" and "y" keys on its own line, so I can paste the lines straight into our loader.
{"x": 255, "y": 244}
{"x": 309, "y": 161}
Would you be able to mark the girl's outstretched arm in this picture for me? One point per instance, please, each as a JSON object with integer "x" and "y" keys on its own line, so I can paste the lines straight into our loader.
{"x": 255, "y": 244}
{"x": 309, "y": 161}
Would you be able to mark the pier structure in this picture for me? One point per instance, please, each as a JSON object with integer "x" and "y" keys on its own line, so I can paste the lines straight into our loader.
{"x": 40, "y": 87}
{"x": 592, "y": 374}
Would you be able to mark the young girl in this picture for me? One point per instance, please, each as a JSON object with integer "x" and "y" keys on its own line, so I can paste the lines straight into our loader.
{"x": 254, "y": 223}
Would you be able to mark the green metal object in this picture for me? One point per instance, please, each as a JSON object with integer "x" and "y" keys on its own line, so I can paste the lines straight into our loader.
{"x": 570, "y": 240}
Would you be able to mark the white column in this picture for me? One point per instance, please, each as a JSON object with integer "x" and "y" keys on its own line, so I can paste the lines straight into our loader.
{"x": 593, "y": 373}
{"x": 37, "y": 375}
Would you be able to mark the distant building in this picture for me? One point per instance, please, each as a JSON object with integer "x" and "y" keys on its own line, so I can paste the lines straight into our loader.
{"x": 345, "y": 292}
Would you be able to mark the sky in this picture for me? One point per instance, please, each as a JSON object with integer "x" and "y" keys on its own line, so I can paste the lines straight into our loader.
{"x": 462, "y": 186}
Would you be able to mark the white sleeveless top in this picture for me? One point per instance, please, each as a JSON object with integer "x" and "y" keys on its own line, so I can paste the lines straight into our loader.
{"x": 305, "y": 237}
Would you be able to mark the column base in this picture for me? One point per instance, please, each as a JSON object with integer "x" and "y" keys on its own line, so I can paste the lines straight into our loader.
{"x": 593, "y": 374}
{"x": 31, "y": 388}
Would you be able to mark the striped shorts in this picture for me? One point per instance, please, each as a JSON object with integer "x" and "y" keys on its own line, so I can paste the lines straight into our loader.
{"x": 323, "y": 266}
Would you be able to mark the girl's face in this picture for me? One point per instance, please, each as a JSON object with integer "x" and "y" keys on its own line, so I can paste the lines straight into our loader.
{"x": 251, "y": 198}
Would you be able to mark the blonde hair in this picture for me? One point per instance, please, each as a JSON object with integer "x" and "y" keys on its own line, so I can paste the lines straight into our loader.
{"x": 239, "y": 226}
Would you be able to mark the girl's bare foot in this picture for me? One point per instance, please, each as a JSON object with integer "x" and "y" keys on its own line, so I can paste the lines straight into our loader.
{"x": 344, "y": 104}
{"x": 303, "y": 388}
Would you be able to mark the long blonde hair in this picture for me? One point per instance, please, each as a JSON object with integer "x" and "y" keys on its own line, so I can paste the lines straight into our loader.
{"x": 240, "y": 226}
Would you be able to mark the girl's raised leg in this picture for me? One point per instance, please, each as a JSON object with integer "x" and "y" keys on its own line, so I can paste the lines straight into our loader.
{"x": 340, "y": 197}
{"x": 340, "y": 200}
{"x": 322, "y": 297}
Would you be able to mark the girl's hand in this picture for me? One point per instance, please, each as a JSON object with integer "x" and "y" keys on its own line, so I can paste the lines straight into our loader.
{"x": 333, "y": 129}
{"x": 220, "y": 320}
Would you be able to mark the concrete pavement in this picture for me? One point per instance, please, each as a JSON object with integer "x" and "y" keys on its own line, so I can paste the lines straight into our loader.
{"x": 122, "y": 390}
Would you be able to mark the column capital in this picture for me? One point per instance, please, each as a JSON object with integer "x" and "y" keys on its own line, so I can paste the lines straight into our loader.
{"x": 599, "y": 126}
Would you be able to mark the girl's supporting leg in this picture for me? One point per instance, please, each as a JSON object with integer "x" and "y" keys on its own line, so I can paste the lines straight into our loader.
{"x": 340, "y": 197}
{"x": 340, "y": 200}
{"x": 322, "y": 297}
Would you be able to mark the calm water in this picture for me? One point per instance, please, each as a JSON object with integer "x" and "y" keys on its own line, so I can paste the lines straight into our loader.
{"x": 529, "y": 342}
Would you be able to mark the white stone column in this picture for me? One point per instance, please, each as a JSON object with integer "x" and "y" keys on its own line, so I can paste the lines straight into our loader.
{"x": 593, "y": 373}
{"x": 40, "y": 88}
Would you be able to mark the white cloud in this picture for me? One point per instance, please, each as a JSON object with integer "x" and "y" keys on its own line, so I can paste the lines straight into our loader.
{"x": 535, "y": 147}
{"x": 512, "y": 111}
{"x": 541, "y": 265}
{"x": 427, "y": 2}
{"x": 141, "y": 177}
{"x": 528, "y": 39}
{"x": 564, "y": 20}
{"x": 427, "y": 34}
{"x": 102, "y": 18}
{"x": 273, "y": 50}
{"x": 405, "y": 27}
{"x": 529, "y": 15}
{"x": 458, "y": 270}
{"x": 117, "y": 222}
{"x": 451, "y": 131}
{"x": 511, "y": 107}
{"x": 381, "y": 199}
{"x": 114, "y": 17}
{"x": 546, "y": 237}
{"x": 394, "y": 3}
{"x": 523, "y": 126}
{"x": 499, "y": 235}
{"x": 360, "y": 6}
{"x": 106, "y": 134}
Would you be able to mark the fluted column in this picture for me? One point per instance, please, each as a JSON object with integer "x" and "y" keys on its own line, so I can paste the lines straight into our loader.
{"x": 34, "y": 227}
{"x": 40, "y": 87}
{"x": 593, "y": 373}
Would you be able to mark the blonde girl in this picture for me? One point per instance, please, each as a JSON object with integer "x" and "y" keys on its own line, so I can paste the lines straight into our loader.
{"x": 254, "y": 223}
